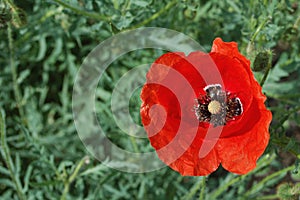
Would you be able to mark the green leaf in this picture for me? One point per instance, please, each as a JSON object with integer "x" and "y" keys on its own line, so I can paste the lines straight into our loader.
{"x": 141, "y": 3}
{"x": 7, "y": 182}
{"x": 4, "y": 171}
{"x": 42, "y": 49}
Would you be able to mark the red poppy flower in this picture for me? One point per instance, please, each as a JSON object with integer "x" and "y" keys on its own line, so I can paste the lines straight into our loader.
{"x": 205, "y": 109}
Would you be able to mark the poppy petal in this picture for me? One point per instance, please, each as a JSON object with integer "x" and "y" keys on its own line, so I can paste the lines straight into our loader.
{"x": 230, "y": 49}
{"x": 239, "y": 154}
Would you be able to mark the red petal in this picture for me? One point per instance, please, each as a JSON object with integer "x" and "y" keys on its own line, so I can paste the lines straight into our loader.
{"x": 183, "y": 153}
{"x": 202, "y": 71}
{"x": 239, "y": 154}
{"x": 235, "y": 78}
{"x": 168, "y": 112}
{"x": 249, "y": 118}
{"x": 152, "y": 94}
{"x": 190, "y": 165}
{"x": 157, "y": 72}
{"x": 231, "y": 50}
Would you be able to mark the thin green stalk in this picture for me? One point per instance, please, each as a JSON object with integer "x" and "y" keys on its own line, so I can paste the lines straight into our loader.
{"x": 286, "y": 116}
{"x": 7, "y": 157}
{"x": 283, "y": 145}
{"x": 202, "y": 190}
{"x": 293, "y": 95}
{"x": 261, "y": 163}
{"x": 72, "y": 178}
{"x": 134, "y": 144}
{"x": 194, "y": 189}
{"x": 272, "y": 197}
{"x": 260, "y": 27}
{"x": 18, "y": 16}
{"x": 268, "y": 178}
{"x": 79, "y": 11}
{"x": 224, "y": 187}
{"x": 267, "y": 70}
{"x": 12, "y": 64}
{"x": 11, "y": 4}
{"x": 156, "y": 15}
{"x": 126, "y": 7}
{"x": 250, "y": 47}
{"x": 287, "y": 98}
{"x": 297, "y": 23}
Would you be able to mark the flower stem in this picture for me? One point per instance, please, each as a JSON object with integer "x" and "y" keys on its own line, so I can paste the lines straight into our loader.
{"x": 79, "y": 11}
{"x": 268, "y": 178}
{"x": 224, "y": 187}
{"x": 251, "y": 47}
{"x": 286, "y": 117}
{"x": 202, "y": 189}
{"x": 7, "y": 157}
{"x": 273, "y": 196}
{"x": 198, "y": 185}
{"x": 72, "y": 178}
{"x": 267, "y": 19}
{"x": 156, "y": 15}
{"x": 261, "y": 163}
{"x": 11, "y": 4}
{"x": 134, "y": 144}
{"x": 269, "y": 65}
{"x": 287, "y": 98}
{"x": 12, "y": 64}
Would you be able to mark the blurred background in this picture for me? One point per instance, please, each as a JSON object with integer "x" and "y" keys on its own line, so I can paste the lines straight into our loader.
{"x": 43, "y": 44}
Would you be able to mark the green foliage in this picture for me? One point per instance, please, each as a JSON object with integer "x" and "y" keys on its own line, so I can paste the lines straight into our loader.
{"x": 43, "y": 44}
{"x": 288, "y": 191}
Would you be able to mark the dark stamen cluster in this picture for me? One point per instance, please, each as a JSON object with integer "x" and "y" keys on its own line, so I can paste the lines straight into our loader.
{"x": 227, "y": 106}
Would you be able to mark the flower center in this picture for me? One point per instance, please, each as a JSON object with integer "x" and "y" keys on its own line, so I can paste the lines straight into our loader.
{"x": 217, "y": 106}
{"x": 214, "y": 107}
